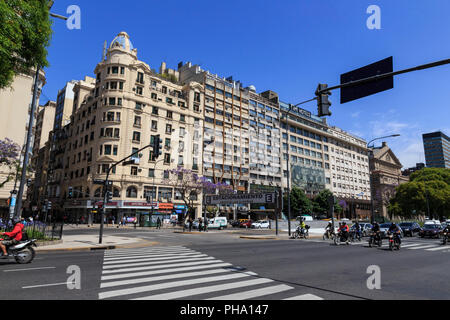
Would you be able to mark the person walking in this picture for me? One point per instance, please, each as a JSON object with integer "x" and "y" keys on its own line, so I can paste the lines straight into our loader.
{"x": 206, "y": 224}
{"x": 190, "y": 224}
{"x": 158, "y": 223}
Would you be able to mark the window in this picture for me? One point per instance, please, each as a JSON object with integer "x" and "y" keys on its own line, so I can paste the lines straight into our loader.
{"x": 151, "y": 173}
{"x": 122, "y": 70}
{"x": 139, "y": 90}
{"x": 136, "y": 136}
{"x": 155, "y": 111}
{"x": 169, "y": 114}
{"x": 131, "y": 192}
{"x": 134, "y": 171}
{"x": 108, "y": 149}
{"x": 167, "y": 143}
{"x": 168, "y": 128}
{"x": 140, "y": 78}
{"x": 154, "y": 125}
{"x": 182, "y": 132}
{"x": 137, "y": 121}
{"x": 182, "y": 118}
{"x": 167, "y": 158}
{"x": 115, "y": 70}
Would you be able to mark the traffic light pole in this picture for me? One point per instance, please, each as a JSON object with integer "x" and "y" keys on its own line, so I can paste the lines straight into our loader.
{"x": 105, "y": 191}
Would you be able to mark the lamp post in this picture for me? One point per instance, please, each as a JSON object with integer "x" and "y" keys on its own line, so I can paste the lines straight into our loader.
{"x": 372, "y": 217}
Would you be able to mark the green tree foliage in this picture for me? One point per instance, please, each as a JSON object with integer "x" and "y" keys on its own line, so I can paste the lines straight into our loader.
{"x": 427, "y": 193}
{"x": 300, "y": 204}
{"x": 25, "y": 34}
{"x": 321, "y": 205}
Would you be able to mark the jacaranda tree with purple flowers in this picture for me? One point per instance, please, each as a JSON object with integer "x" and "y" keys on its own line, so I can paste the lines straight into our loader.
{"x": 9, "y": 154}
{"x": 189, "y": 185}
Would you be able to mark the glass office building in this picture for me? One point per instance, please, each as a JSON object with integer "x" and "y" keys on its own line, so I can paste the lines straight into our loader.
{"x": 437, "y": 150}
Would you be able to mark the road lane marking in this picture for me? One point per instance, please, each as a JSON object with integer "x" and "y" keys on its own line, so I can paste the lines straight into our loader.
{"x": 149, "y": 273}
{"x": 193, "y": 292}
{"x": 411, "y": 245}
{"x": 438, "y": 248}
{"x": 254, "y": 293}
{"x": 129, "y": 291}
{"x": 158, "y": 261}
{"x": 166, "y": 277}
{"x": 152, "y": 258}
{"x": 46, "y": 285}
{"x": 31, "y": 269}
{"x": 164, "y": 267}
{"x": 305, "y": 297}
{"x": 423, "y": 247}
{"x": 140, "y": 255}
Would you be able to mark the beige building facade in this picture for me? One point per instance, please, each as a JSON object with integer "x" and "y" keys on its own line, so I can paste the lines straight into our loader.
{"x": 15, "y": 103}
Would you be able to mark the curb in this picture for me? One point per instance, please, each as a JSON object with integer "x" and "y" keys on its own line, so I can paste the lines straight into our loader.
{"x": 260, "y": 237}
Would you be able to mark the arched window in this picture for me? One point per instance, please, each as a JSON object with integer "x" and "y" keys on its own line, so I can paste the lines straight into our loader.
{"x": 98, "y": 193}
{"x": 131, "y": 192}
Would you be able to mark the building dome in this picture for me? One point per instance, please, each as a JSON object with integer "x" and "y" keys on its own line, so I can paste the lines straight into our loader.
{"x": 252, "y": 88}
{"x": 123, "y": 41}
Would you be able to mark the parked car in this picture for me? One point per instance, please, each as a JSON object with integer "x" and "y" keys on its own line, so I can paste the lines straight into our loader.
{"x": 432, "y": 222}
{"x": 261, "y": 224}
{"x": 410, "y": 228}
{"x": 218, "y": 223}
{"x": 431, "y": 230}
{"x": 365, "y": 228}
{"x": 246, "y": 224}
{"x": 307, "y": 217}
{"x": 384, "y": 227}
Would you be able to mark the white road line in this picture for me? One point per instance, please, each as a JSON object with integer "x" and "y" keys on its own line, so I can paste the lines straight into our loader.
{"x": 31, "y": 269}
{"x": 46, "y": 285}
{"x": 123, "y": 266}
{"x": 167, "y": 266}
{"x": 171, "y": 271}
{"x": 438, "y": 248}
{"x": 197, "y": 291}
{"x": 135, "y": 254}
{"x": 166, "y": 277}
{"x": 144, "y": 256}
{"x": 117, "y": 293}
{"x": 305, "y": 297}
{"x": 151, "y": 259}
{"x": 254, "y": 293}
{"x": 411, "y": 245}
{"x": 110, "y": 254}
{"x": 423, "y": 247}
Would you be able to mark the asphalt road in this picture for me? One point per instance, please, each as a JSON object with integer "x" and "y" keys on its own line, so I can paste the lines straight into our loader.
{"x": 311, "y": 267}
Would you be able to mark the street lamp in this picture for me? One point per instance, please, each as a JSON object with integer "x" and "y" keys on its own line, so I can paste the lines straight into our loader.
{"x": 372, "y": 217}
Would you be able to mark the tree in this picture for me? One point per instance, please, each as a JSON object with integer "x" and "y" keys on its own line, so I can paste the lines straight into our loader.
{"x": 189, "y": 186}
{"x": 24, "y": 36}
{"x": 321, "y": 205}
{"x": 427, "y": 193}
{"x": 300, "y": 204}
{"x": 9, "y": 153}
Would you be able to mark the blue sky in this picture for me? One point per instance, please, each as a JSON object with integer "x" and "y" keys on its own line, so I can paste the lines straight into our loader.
{"x": 285, "y": 46}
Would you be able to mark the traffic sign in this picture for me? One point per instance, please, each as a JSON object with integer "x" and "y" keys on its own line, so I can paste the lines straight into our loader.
{"x": 102, "y": 182}
{"x": 241, "y": 198}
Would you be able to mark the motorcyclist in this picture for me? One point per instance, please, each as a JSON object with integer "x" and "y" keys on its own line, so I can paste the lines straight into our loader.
{"x": 344, "y": 229}
{"x": 329, "y": 229}
{"x": 15, "y": 235}
{"x": 396, "y": 231}
{"x": 302, "y": 225}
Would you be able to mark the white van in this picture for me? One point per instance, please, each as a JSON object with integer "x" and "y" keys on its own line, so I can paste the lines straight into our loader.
{"x": 433, "y": 222}
{"x": 218, "y": 223}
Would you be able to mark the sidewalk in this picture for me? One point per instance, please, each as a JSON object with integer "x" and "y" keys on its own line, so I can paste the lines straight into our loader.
{"x": 91, "y": 242}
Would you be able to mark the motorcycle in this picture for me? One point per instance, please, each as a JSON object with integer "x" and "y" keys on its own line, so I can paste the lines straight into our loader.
{"x": 355, "y": 235}
{"x": 301, "y": 233}
{"x": 341, "y": 238}
{"x": 445, "y": 238}
{"x": 23, "y": 251}
{"x": 394, "y": 241}
{"x": 375, "y": 240}
{"x": 329, "y": 235}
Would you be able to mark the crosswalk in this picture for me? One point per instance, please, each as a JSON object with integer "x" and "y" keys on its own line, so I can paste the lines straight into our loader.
{"x": 432, "y": 247}
{"x": 176, "y": 272}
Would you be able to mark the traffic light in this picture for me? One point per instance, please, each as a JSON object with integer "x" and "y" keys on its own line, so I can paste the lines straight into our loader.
{"x": 323, "y": 103}
{"x": 70, "y": 193}
{"x": 157, "y": 147}
{"x": 109, "y": 196}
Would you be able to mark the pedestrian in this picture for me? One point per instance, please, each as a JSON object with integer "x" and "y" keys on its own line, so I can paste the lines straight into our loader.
{"x": 158, "y": 223}
{"x": 206, "y": 224}
{"x": 200, "y": 224}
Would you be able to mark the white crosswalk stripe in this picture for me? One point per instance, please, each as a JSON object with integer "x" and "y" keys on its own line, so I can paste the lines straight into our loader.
{"x": 165, "y": 273}
{"x": 431, "y": 247}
